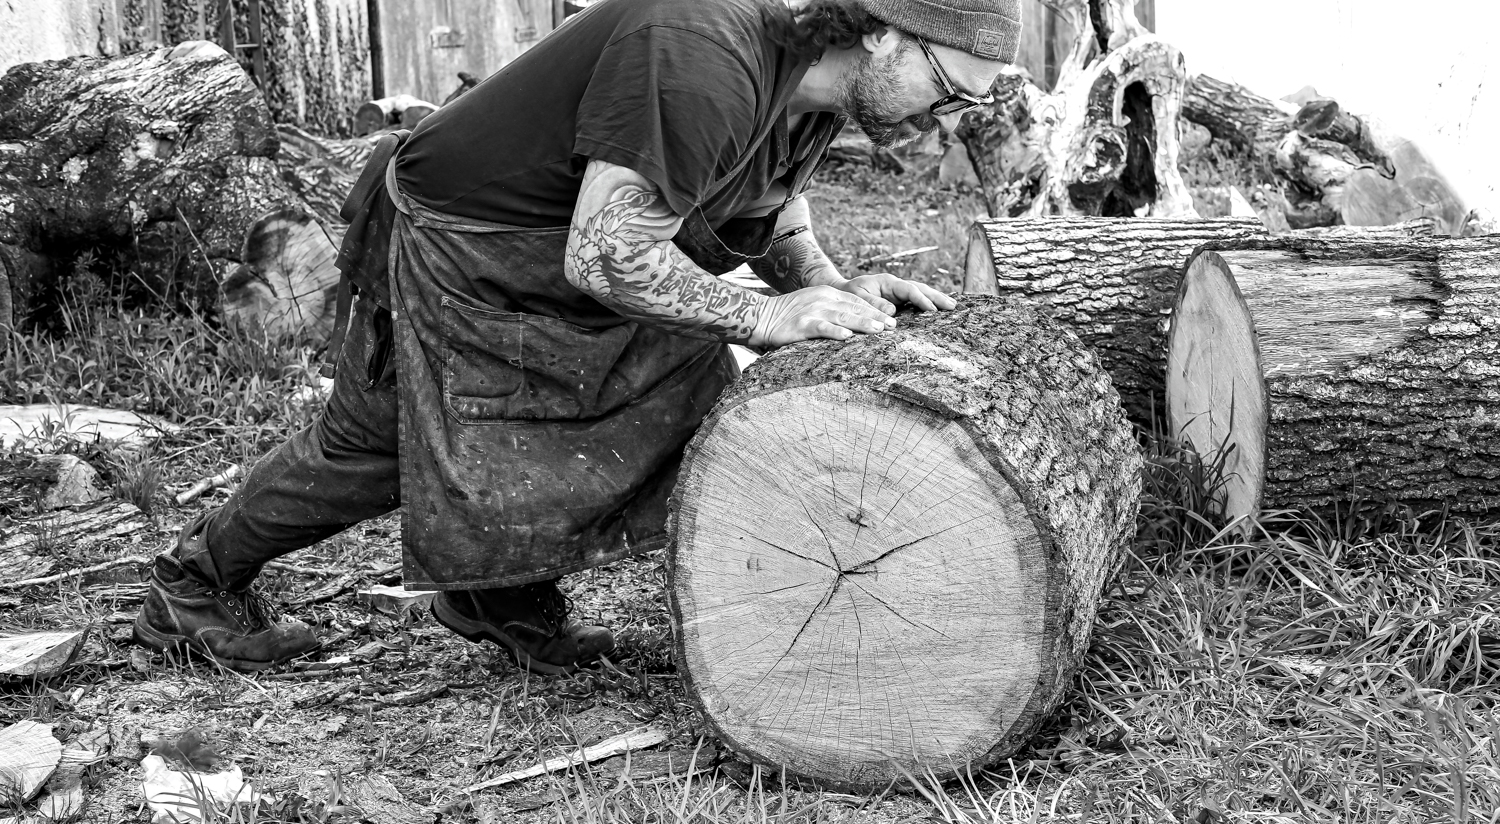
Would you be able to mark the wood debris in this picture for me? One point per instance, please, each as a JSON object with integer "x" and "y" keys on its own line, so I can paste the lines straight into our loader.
{"x": 39, "y": 654}
{"x": 208, "y": 484}
{"x": 635, "y": 740}
{"x": 395, "y": 600}
{"x": 28, "y": 756}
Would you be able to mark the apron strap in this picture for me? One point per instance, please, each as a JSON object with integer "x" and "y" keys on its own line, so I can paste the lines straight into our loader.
{"x": 372, "y": 175}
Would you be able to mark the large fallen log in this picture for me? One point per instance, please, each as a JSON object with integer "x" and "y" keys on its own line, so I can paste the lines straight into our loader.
{"x": 887, "y": 554}
{"x": 1113, "y": 281}
{"x": 1325, "y": 370}
{"x": 1321, "y": 165}
{"x": 159, "y": 163}
{"x": 164, "y": 156}
{"x": 1110, "y": 280}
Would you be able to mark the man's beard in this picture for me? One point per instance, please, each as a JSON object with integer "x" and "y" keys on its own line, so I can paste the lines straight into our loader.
{"x": 867, "y": 94}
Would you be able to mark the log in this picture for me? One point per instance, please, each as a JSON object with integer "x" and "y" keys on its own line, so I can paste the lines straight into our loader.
{"x": 166, "y": 161}
{"x": 401, "y": 110}
{"x": 1113, "y": 281}
{"x": 886, "y": 554}
{"x": 1235, "y": 115}
{"x": 287, "y": 283}
{"x": 162, "y": 158}
{"x": 1323, "y": 371}
{"x": 1320, "y": 164}
{"x": 1110, "y": 280}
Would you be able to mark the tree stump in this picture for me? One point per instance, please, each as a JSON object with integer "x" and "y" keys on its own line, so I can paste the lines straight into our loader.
{"x": 1111, "y": 281}
{"x": 887, "y": 554}
{"x": 1328, "y": 370}
{"x": 1103, "y": 142}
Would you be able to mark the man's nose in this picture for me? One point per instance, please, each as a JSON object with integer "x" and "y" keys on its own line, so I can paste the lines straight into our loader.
{"x": 949, "y": 121}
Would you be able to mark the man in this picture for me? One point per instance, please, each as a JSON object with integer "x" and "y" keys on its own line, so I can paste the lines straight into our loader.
{"x": 551, "y": 329}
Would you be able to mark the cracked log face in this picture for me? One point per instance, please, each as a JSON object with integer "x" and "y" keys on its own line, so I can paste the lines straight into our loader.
{"x": 887, "y": 554}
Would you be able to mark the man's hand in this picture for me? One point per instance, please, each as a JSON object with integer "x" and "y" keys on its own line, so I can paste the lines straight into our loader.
{"x": 816, "y": 312}
{"x": 885, "y": 292}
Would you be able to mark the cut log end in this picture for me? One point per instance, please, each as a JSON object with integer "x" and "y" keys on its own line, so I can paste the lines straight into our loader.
{"x": 287, "y": 281}
{"x": 1215, "y": 387}
{"x": 915, "y": 583}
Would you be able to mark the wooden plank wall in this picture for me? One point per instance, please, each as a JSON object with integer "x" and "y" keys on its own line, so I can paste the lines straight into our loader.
{"x": 424, "y": 44}
{"x": 1046, "y": 38}
{"x": 316, "y": 60}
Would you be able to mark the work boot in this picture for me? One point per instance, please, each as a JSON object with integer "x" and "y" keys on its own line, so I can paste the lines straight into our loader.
{"x": 530, "y": 622}
{"x": 234, "y": 628}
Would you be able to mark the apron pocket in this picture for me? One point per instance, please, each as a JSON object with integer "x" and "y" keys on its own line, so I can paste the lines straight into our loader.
{"x": 508, "y": 366}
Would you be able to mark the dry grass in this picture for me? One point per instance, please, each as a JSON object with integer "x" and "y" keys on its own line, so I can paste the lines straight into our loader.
{"x": 1339, "y": 670}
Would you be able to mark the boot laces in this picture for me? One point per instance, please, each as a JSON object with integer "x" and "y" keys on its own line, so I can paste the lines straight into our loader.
{"x": 552, "y": 605}
{"x": 249, "y": 606}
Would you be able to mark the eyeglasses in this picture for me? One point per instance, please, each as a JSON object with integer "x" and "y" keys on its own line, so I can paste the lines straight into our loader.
{"x": 955, "y": 101}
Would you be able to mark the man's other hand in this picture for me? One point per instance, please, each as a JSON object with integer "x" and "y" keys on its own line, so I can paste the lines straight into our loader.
{"x": 885, "y": 292}
{"x": 816, "y": 312}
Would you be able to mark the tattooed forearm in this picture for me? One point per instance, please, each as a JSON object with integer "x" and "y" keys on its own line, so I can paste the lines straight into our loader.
{"x": 620, "y": 252}
{"x": 795, "y": 260}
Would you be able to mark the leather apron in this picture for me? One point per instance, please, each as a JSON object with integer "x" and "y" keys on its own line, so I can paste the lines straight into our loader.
{"x": 540, "y": 432}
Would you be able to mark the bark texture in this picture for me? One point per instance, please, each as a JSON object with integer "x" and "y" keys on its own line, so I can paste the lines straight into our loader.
{"x": 164, "y": 156}
{"x": 1381, "y": 369}
{"x": 158, "y": 164}
{"x": 917, "y": 622}
{"x": 1111, "y": 281}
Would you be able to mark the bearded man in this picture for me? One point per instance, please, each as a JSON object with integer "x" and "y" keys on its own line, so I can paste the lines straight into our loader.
{"x": 539, "y": 327}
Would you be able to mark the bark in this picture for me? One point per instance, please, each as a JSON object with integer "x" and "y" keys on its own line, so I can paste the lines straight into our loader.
{"x": 162, "y": 157}
{"x": 859, "y": 528}
{"x": 1374, "y": 368}
{"x": 1111, "y": 281}
{"x": 1104, "y": 142}
{"x": 159, "y": 164}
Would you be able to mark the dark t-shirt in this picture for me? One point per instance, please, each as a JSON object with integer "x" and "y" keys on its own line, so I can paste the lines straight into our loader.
{"x": 689, "y": 93}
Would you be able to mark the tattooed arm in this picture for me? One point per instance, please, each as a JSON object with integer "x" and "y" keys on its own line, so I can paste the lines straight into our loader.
{"x": 620, "y": 251}
{"x": 795, "y": 259}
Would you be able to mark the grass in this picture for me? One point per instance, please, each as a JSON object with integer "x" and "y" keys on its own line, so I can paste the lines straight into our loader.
{"x": 1336, "y": 669}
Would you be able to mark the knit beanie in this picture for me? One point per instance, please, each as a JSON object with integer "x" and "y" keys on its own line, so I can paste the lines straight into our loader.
{"x": 986, "y": 28}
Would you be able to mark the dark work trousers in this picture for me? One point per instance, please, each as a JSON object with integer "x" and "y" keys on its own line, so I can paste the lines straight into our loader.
{"x": 337, "y": 472}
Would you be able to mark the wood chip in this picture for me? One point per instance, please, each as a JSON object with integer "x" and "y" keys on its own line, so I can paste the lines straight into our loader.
{"x": 38, "y": 654}
{"x": 395, "y": 600}
{"x": 28, "y": 756}
{"x": 620, "y": 744}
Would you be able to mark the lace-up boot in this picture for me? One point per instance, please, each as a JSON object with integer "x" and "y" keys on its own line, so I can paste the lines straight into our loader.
{"x": 530, "y": 622}
{"x": 234, "y": 628}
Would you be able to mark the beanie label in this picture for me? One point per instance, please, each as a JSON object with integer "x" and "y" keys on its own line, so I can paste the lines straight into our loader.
{"x": 987, "y": 43}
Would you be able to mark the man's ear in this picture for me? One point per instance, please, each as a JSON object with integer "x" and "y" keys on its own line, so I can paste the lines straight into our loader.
{"x": 882, "y": 40}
